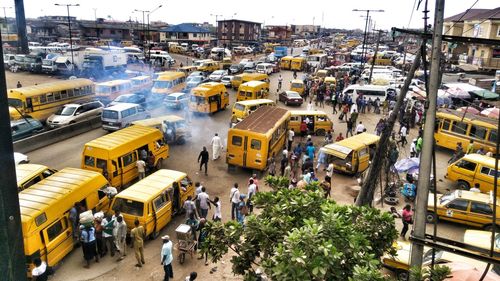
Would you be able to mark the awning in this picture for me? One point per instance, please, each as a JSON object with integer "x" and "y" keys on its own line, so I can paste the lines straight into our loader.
{"x": 485, "y": 94}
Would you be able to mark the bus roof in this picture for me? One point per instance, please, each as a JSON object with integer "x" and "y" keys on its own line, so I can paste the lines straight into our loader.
{"x": 113, "y": 83}
{"x": 171, "y": 75}
{"x": 24, "y": 170}
{"x": 263, "y": 119}
{"x": 253, "y": 83}
{"x": 297, "y": 81}
{"x": 207, "y": 86}
{"x": 56, "y": 86}
{"x": 143, "y": 77}
{"x": 157, "y": 120}
{"x": 116, "y": 142}
{"x": 468, "y": 117}
{"x": 254, "y": 102}
{"x": 42, "y": 196}
{"x": 151, "y": 185}
{"x": 344, "y": 147}
{"x": 307, "y": 112}
{"x": 482, "y": 159}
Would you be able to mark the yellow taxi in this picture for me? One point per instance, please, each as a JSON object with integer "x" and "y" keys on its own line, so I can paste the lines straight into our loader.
{"x": 473, "y": 170}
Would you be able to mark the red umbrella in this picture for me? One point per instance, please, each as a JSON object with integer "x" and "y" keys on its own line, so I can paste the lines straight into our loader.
{"x": 492, "y": 112}
{"x": 468, "y": 109}
{"x": 461, "y": 271}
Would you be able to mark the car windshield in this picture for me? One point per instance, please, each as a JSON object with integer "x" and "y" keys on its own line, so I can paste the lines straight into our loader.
{"x": 163, "y": 84}
{"x": 123, "y": 98}
{"x": 447, "y": 197}
{"x": 195, "y": 79}
{"x": 293, "y": 95}
{"x": 17, "y": 103}
{"x": 197, "y": 99}
{"x": 296, "y": 85}
{"x": 66, "y": 111}
{"x": 218, "y": 72}
{"x": 239, "y": 107}
{"x": 110, "y": 114}
{"x": 171, "y": 97}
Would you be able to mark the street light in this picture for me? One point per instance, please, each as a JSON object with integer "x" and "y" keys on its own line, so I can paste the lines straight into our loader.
{"x": 96, "y": 29}
{"x": 5, "y": 18}
{"x": 147, "y": 39}
{"x": 70, "y": 38}
{"x": 364, "y": 36}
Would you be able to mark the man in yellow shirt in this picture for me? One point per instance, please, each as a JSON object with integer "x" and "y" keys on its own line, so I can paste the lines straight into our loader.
{"x": 138, "y": 236}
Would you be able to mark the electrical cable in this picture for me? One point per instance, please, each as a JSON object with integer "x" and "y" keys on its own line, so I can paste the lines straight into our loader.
{"x": 466, "y": 11}
{"x": 411, "y": 15}
{"x": 488, "y": 18}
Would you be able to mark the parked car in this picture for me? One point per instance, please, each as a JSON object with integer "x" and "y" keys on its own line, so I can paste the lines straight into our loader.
{"x": 291, "y": 98}
{"x": 193, "y": 81}
{"x": 176, "y": 100}
{"x": 226, "y": 80}
{"x": 25, "y": 127}
{"x": 249, "y": 65}
{"x": 243, "y": 62}
{"x": 74, "y": 112}
{"x": 20, "y": 158}
{"x": 235, "y": 69}
{"x": 129, "y": 98}
{"x": 217, "y": 75}
{"x": 196, "y": 73}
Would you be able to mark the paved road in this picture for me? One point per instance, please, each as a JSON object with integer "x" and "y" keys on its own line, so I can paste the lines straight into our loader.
{"x": 68, "y": 154}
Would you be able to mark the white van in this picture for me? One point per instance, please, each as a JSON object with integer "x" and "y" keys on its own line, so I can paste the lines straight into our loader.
{"x": 371, "y": 91}
{"x": 122, "y": 115}
{"x": 265, "y": 68}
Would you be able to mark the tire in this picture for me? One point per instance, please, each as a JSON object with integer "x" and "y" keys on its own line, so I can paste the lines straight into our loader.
{"x": 391, "y": 201}
{"x": 320, "y": 132}
{"x": 430, "y": 217}
{"x": 402, "y": 275}
{"x": 463, "y": 185}
{"x": 159, "y": 164}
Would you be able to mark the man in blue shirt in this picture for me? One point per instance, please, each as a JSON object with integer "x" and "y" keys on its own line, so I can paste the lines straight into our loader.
{"x": 166, "y": 257}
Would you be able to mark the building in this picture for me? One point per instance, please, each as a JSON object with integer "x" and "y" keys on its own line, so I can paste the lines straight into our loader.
{"x": 101, "y": 29}
{"x": 474, "y": 23}
{"x": 185, "y": 33}
{"x": 277, "y": 33}
{"x": 305, "y": 31}
{"x": 237, "y": 32}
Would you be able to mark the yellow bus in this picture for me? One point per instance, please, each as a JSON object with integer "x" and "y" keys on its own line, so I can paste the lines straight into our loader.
{"x": 259, "y": 136}
{"x": 297, "y": 86}
{"x": 451, "y": 129}
{"x": 141, "y": 84}
{"x": 246, "y": 77}
{"x": 209, "y": 97}
{"x": 320, "y": 121}
{"x": 30, "y": 174}
{"x": 42, "y": 100}
{"x": 241, "y": 109}
{"x": 115, "y": 155}
{"x": 154, "y": 200}
{"x": 298, "y": 63}
{"x": 47, "y": 230}
{"x": 252, "y": 90}
{"x": 286, "y": 62}
{"x": 108, "y": 91}
{"x": 169, "y": 82}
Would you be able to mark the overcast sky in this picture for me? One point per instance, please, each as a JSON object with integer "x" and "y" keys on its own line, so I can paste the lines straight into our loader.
{"x": 327, "y": 13}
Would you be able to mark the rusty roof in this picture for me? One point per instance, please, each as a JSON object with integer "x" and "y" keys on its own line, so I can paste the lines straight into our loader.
{"x": 263, "y": 119}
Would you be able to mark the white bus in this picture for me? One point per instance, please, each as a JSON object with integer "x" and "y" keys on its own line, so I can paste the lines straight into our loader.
{"x": 317, "y": 60}
{"x": 371, "y": 91}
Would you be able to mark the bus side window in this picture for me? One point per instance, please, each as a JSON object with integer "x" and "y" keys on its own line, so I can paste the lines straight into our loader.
{"x": 129, "y": 159}
{"x": 459, "y": 127}
{"x": 236, "y": 140}
{"x": 56, "y": 229}
{"x": 477, "y": 132}
{"x": 493, "y": 136}
{"x": 29, "y": 105}
{"x": 89, "y": 161}
{"x": 115, "y": 168}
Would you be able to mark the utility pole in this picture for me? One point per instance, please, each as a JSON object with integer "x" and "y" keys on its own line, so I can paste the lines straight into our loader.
{"x": 13, "y": 262}
{"x": 428, "y": 137}
{"x": 149, "y": 46}
{"x": 96, "y": 29}
{"x": 364, "y": 36}
{"x": 70, "y": 36}
{"x": 22, "y": 36}
{"x": 5, "y": 21}
{"x": 374, "y": 58}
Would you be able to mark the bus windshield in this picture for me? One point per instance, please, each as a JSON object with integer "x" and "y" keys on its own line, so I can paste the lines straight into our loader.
{"x": 110, "y": 114}
{"x": 197, "y": 99}
{"x": 163, "y": 84}
{"x": 15, "y": 103}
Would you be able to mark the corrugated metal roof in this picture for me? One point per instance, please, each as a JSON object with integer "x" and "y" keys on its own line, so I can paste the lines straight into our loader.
{"x": 185, "y": 27}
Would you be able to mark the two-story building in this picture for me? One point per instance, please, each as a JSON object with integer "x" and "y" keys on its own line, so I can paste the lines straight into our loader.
{"x": 474, "y": 23}
{"x": 238, "y": 32}
{"x": 277, "y": 33}
{"x": 185, "y": 33}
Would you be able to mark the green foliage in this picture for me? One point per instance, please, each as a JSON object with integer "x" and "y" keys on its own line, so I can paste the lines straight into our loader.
{"x": 300, "y": 235}
{"x": 439, "y": 273}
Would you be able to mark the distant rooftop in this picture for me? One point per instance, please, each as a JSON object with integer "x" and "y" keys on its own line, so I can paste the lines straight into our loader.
{"x": 475, "y": 14}
{"x": 185, "y": 27}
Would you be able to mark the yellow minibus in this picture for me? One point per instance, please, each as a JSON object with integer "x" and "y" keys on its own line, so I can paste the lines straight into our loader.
{"x": 286, "y": 62}
{"x": 42, "y": 100}
{"x": 241, "y": 109}
{"x": 115, "y": 155}
{"x": 141, "y": 84}
{"x": 106, "y": 92}
{"x": 154, "y": 200}
{"x": 174, "y": 128}
{"x": 298, "y": 63}
{"x": 252, "y": 90}
{"x": 352, "y": 155}
{"x": 209, "y": 97}
{"x": 171, "y": 82}
{"x": 259, "y": 136}
{"x": 209, "y": 66}
{"x": 471, "y": 170}
{"x": 29, "y": 174}
{"x": 297, "y": 86}
{"x": 187, "y": 69}
{"x": 246, "y": 77}
{"x": 453, "y": 127}
{"x": 47, "y": 230}
{"x": 321, "y": 123}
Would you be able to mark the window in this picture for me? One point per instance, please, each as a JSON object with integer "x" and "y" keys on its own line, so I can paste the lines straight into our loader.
{"x": 481, "y": 208}
{"x": 485, "y": 171}
{"x": 493, "y": 136}
{"x": 50, "y": 97}
{"x": 236, "y": 140}
{"x": 477, "y": 132}
{"x": 130, "y": 207}
{"x": 160, "y": 202}
{"x": 54, "y": 230}
{"x": 363, "y": 151}
{"x": 32, "y": 182}
{"x": 459, "y": 127}
{"x": 89, "y": 161}
{"x": 43, "y": 99}
{"x": 194, "y": 34}
{"x": 129, "y": 159}
{"x": 446, "y": 124}
{"x": 467, "y": 165}
{"x": 458, "y": 204}
{"x": 101, "y": 163}
{"x": 40, "y": 219}
{"x": 498, "y": 31}
{"x": 255, "y": 144}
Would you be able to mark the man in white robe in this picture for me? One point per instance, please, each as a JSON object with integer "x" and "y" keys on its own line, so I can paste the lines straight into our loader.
{"x": 216, "y": 146}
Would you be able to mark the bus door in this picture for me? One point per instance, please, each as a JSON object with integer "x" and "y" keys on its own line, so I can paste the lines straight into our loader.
{"x": 162, "y": 208}
{"x": 58, "y": 240}
{"x": 29, "y": 105}
{"x": 245, "y": 151}
{"x": 128, "y": 167}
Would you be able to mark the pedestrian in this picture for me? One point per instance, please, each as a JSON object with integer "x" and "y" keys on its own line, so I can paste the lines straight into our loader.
{"x": 470, "y": 147}
{"x": 271, "y": 166}
{"x": 354, "y": 116}
{"x": 328, "y": 137}
{"x": 87, "y": 238}
{"x": 407, "y": 219}
{"x": 138, "y": 236}
{"x": 280, "y": 81}
{"x": 321, "y": 160}
{"x": 234, "y": 198}
{"x": 283, "y": 163}
{"x": 288, "y": 171}
{"x": 204, "y": 159}
{"x": 303, "y": 129}
{"x": 39, "y": 273}
{"x": 242, "y": 210}
{"x": 329, "y": 174}
{"x": 120, "y": 237}
{"x": 310, "y": 106}
{"x": 291, "y": 134}
{"x": 107, "y": 234}
{"x": 475, "y": 188}
{"x": 218, "y": 213}
{"x": 334, "y": 103}
{"x": 395, "y": 213}
{"x": 141, "y": 168}
{"x": 413, "y": 148}
{"x": 217, "y": 147}
{"x": 360, "y": 128}
{"x": 341, "y": 137}
{"x": 151, "y": 162}
{"x": 420, "y": 141}
{"x": 403, "y": 131}
{"x": 166, "y": 258}
{"x": 202, "y": 236}
{"x": 311, "y": 151}
{"x": 19, "y": 85}
{"x": 252, "y": 190}
{"x": 144, "y": 154}
{"x": 197, "y": 188}
{"x": 99, "y": 236}
{"x": 192, "y": 276}
{"x": 349, "y": 128}
{"x": 189, "y": 206}
{"x": 325, "y": 185}
{"x": 73, "y": 218}
{"x": 204, "y": 203}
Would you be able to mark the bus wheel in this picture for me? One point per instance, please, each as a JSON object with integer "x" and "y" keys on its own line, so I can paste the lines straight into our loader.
{"x": 154, "y": 235}
{"x": 320, "y": 132}
{"x": 159, "y": 164}
{"x": 463, "y": 185}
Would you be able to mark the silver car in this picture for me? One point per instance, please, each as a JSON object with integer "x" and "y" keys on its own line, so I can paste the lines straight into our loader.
{"x": 75, "y": 112}
{"x": 217, "y": 75}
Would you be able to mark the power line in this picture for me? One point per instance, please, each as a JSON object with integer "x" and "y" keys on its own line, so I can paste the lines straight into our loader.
{"x": 411, "y": 15}
{"x": 466, "y": 11}
{"x": 488, "y": 18}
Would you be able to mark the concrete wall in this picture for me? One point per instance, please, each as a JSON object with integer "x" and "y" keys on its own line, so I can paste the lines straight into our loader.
{"x": 56, "y": 135}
